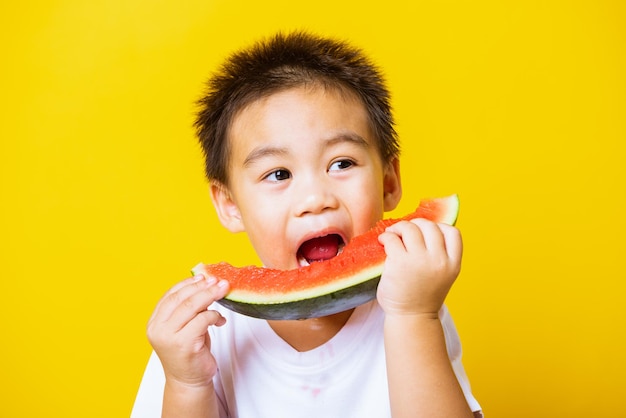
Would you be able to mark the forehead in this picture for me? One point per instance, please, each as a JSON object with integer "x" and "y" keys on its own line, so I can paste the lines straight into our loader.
{"x": 300, "y": 112}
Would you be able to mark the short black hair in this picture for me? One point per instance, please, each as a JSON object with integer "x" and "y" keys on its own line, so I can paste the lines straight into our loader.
{"x": 279, "y": 63}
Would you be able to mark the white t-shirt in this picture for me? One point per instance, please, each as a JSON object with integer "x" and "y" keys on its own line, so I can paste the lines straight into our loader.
{"x": 260, "y": 375}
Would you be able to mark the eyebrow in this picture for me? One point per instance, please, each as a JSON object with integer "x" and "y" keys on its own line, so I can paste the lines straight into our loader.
{"x": 265, "y": 151}
{"x": 350, "y": 137}
{"x": 270, "y": 151}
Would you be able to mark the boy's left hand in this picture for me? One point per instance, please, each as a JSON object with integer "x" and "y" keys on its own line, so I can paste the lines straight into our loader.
{"x": 423, "y": 261}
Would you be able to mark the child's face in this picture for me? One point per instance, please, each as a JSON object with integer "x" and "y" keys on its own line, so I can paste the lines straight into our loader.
{"x": 304, "y": 165}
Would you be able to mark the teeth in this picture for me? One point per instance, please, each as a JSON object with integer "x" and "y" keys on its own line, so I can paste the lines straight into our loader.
{"x": 302, "y": 262}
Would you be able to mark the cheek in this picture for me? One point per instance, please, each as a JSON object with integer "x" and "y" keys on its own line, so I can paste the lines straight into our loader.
{"x": 365, "y": 212}
{"x": 368, "y": 192}
{"x": 266, "y": 232}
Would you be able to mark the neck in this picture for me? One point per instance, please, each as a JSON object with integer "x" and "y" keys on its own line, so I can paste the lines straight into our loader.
{"x": 307, "y": 334}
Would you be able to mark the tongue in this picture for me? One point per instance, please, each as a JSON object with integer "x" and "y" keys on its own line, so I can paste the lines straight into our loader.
{"x": 319, "y": 249}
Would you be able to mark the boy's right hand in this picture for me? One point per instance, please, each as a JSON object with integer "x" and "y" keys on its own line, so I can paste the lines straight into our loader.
{"x": 178, "y": 330}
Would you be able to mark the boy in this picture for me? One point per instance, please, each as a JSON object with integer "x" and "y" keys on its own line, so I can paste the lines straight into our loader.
{"x": 301, "y": 152}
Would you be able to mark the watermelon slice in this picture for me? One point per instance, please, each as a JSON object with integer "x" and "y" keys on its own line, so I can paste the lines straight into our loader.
{"x": 321, "y": 288}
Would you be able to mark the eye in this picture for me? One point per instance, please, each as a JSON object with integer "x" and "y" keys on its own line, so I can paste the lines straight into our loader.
{"x": 278, "y": 175}
{"x": 341, "y": 165}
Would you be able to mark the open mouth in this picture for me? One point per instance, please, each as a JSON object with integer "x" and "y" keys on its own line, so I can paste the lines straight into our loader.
{"x": 320, "y": 249}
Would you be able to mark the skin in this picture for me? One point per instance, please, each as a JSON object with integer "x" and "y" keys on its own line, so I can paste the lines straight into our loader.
{"x": 304, "y": 164}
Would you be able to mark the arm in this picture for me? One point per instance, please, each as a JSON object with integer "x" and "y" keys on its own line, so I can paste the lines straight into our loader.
{"x": 423, "y": 260}
{"x": 180, "y": 400}
{"x": 178, "y": 333}
{"x": 421, "y": 379}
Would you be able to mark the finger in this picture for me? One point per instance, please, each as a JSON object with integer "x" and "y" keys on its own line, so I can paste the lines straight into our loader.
{"x": 432, "y": 235}
{"x": 174, "y": 289}
{"x": 392, "y": 242}
{"x": 453, "y": 242}
{"x": 179, "y": 292}
{"x": 196, "y": 303}
{"x": 410, "y": 233}
{"x": 200, "y": 323}
{"x": 194, "y": 279}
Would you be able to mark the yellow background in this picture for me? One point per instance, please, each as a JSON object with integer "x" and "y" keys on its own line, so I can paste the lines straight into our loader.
{"x": 519, "y": 107}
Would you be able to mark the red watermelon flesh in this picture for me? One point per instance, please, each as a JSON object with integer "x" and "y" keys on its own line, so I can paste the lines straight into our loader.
{"x": 331, "y": 283}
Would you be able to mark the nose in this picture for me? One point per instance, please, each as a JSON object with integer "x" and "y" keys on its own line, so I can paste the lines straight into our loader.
{"x": 316, "y": 196}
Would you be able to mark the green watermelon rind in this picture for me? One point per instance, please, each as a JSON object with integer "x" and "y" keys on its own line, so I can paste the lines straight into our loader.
{"x": 311, "y": 307}
{"x": 337, "y": 284}
{"x": 343, "y": 292}
{"x": 452, "y": 215}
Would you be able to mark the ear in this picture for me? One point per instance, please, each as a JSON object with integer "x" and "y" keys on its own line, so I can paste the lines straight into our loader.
{"x": 226, "y": 208}
{"x": 392, "y": 186}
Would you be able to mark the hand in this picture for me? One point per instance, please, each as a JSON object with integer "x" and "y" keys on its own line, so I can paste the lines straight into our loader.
{"x": 178, "y": 330}
{"x": 423, "y": 261}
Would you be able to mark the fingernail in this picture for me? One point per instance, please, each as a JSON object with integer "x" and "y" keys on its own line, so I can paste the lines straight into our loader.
{"x": 197, "y": 278}
{"x": 222, "y": 284}
{"x": 211, "y": 280}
